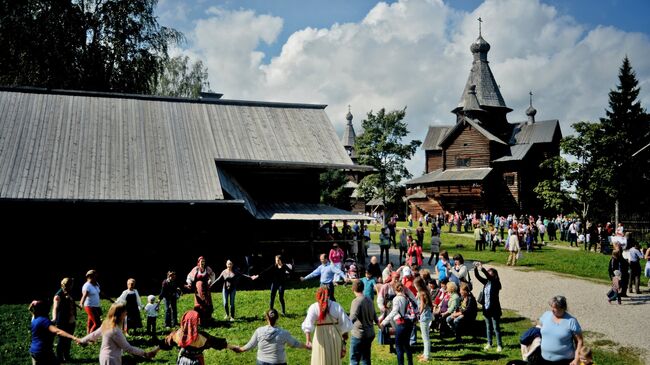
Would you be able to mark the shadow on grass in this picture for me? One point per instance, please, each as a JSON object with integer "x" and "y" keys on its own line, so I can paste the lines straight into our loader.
{"x": 512, "y": 319}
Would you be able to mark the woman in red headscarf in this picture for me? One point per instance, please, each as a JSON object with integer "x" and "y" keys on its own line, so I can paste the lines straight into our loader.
{"x": 329, "y": 324}
{"x": 192, "y": 341}
{"x": 199, "y": 280}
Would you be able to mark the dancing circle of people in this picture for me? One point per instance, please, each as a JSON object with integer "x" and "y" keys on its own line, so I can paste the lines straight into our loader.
{"x": 408, "y": 298}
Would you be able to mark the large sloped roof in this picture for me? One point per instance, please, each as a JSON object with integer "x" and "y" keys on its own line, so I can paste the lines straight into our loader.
{"x": 95, "y": 146}
{"x": 517, "y": 153}
{"x": 464, "y": 174}
{"x": 539, "y": 132}
{"x": 435, "y": 135}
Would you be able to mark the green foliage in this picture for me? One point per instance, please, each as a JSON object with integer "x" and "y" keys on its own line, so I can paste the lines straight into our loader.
{"x": 626, "y": 129}
{"x": 551, "y": 192}
{"x": 180, "y": 78}
{"x": 380, "y": 146}
{"x": 332, "y": 191}
{"x": 102, "y": 45}
{"x": 603, "y": 169}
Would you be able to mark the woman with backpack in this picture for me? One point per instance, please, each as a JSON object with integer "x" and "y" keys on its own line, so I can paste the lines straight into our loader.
{"x": 404, "y": 326}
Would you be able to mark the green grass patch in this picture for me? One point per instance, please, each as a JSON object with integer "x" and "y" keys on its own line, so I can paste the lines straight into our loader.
{"x": 556, "y": 257}
{"x": 15, "y": 336}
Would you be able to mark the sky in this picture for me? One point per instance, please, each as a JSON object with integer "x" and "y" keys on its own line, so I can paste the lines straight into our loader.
{"x": 415, "y": 54}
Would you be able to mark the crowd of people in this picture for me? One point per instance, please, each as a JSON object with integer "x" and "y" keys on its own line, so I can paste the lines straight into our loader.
{"x": 392, "y": 302}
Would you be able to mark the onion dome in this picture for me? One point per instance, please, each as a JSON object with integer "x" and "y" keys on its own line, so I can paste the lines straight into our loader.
{"x": 480, "y": 46}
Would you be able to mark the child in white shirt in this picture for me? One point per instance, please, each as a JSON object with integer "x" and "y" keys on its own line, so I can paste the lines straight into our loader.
{"x": 152, "y": 313}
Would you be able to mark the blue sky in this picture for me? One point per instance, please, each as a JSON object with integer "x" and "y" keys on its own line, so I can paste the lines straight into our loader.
{"x": 415, "y": 53}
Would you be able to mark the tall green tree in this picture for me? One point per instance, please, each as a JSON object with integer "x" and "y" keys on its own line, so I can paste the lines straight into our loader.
{"x": 600, "y": 169}
{"x": 100, "y": 45}
{"x": 626, "y": 129}
{"x": 380, "y": 146}
{"x": 180, "y": 77}
{"x": 332, "y": 190}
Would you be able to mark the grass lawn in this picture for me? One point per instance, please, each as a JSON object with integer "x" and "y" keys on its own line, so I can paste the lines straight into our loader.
{"x": 556, "y": 257}
{"x": 15, "y": 336}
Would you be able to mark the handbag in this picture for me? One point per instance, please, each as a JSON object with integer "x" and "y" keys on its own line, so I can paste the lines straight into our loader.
{"x": 383, "y": 337}
{"x": 481, "y": 298}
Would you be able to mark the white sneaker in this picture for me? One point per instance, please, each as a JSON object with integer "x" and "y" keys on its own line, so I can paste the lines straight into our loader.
{"x": 499, "y": 349}
{"x": 231, "y": 319}
{"x": 487, "y": 347}
{"x": 225, "y": 318}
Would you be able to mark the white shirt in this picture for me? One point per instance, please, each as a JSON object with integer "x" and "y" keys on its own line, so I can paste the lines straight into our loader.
{"x": 344, "y": 324}
{"x": 92, "y": 296}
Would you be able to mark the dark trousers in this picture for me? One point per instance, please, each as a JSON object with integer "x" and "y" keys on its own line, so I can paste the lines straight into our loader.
{"x": 433, "y": 254}
{"x": 383, "y": 249}
{"x": 63, "y": 346}
{"x": 151, "y": 326}
{"x": 635, "y": 276}
{"x": 171, "y": 313}
{"x": 277, "y": 288}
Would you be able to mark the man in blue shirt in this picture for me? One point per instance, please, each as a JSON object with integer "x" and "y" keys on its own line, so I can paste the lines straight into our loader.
{"x": 326, "y": 271}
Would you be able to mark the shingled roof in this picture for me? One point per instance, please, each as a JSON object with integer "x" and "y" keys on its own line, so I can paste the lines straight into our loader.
{"x": 95, "y": 146}
{"x": 539, "y": 132}
{"x": 464, "y": 174}
{"x": 435, "y": 135}
{"x": 487, "y": 89}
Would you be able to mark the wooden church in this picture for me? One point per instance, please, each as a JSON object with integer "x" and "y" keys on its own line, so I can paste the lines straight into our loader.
{"x": 483, "y": 162}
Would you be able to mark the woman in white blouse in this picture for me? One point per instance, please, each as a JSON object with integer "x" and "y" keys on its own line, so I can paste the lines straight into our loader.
{"x": 326, "y": 329}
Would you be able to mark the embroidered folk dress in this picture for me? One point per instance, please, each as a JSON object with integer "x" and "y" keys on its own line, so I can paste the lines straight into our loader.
{"x": 326, "y": 335}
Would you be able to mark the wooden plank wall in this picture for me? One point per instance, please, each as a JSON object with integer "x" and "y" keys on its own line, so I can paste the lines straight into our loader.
{"x": 433, "y": 160}
{"x": 468, "y": 144}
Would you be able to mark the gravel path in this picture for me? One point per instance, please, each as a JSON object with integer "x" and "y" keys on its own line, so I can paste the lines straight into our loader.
{"x": 528, "y": 293}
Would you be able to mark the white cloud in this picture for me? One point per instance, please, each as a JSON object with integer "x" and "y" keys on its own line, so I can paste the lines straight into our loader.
{"x": 415, "y": 53}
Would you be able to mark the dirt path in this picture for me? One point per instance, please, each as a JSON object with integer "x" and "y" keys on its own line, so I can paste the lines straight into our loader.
{"x": 528, "y": 293}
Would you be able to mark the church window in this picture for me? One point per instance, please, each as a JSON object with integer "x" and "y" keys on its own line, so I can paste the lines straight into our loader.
{"x": 463, "y": 161}
{"x": 510, "y": 180}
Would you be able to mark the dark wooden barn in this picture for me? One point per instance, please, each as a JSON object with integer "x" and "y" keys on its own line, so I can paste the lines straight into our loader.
{"x": 483, "y": 162}
{"x": 134, "y": 185}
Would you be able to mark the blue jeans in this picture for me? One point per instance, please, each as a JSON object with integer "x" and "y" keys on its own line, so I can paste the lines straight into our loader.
{"x": 424, "y": 328}
{"x": 171, "y": 313}
{"x": 492, "y": 323}
{"x": 360, "y": 350}
{"x": 229, "y": 294}
{"x": 402, "y": 346}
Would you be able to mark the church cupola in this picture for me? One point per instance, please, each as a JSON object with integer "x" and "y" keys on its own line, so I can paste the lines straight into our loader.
{"x": 530, "y": 112}
{"x": 481, "y": 88}
{"x": 349, "y": 137}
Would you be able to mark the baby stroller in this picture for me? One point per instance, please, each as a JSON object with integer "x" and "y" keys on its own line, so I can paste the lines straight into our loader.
{"x": 351, "y": 269}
